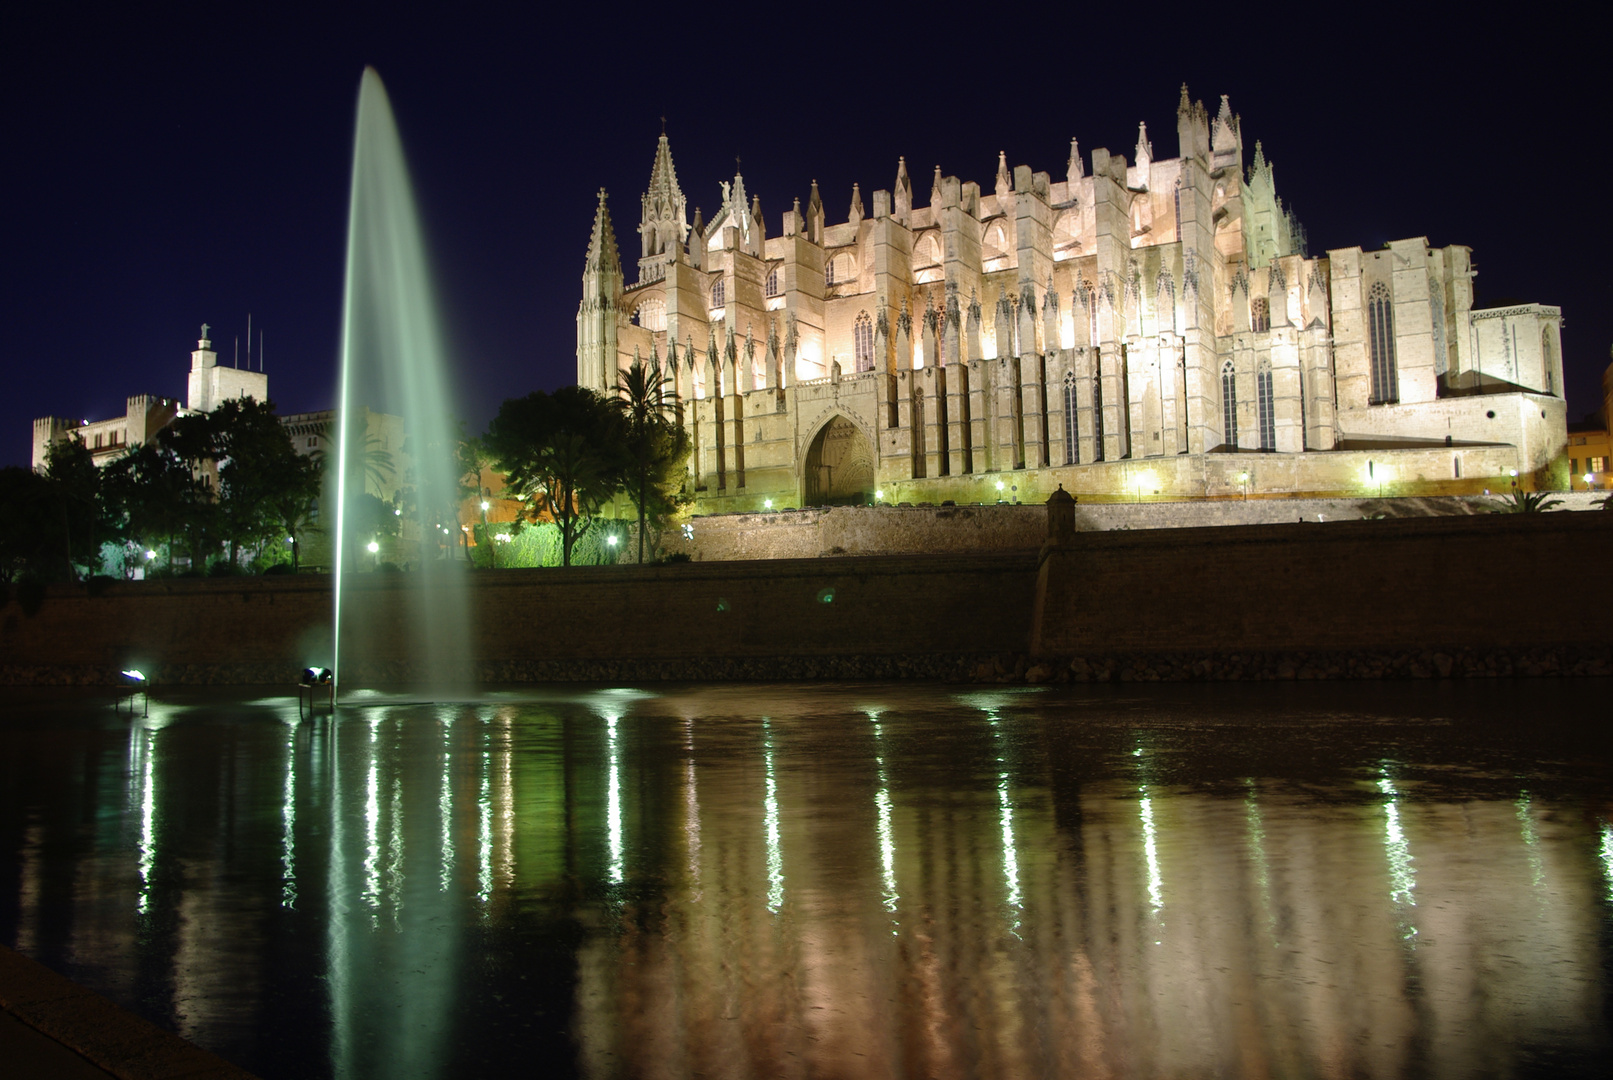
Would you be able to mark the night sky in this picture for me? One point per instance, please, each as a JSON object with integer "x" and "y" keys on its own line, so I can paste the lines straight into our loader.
{"x": 162, "y": 171}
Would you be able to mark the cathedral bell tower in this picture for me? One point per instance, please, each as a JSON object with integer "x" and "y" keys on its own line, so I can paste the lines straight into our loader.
{"x": 601, "y": 298}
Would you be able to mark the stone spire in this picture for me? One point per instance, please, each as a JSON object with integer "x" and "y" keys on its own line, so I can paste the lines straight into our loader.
{"x": 1072, "y": 171}
{"x": 856, "y": 214}
{"x": 602, "y": 254}
{"x": 664, "y": 223}
{"x": 904, "y": 191}
{"x": 601, "y": 297}
{"x": 1145, "y": 149}
{"x": 935, "y": 197}
{"x": 814, "y": 216}
{"x": 1005, "y": 180}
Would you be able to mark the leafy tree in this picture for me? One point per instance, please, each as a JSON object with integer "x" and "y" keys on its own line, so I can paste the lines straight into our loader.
{"x": 266, "y": 488}
{"x": 81, "y": 521}
{"x": 564, "y": 452}
{"x": 158, "y": 497}
{"x": 27, "y": 524}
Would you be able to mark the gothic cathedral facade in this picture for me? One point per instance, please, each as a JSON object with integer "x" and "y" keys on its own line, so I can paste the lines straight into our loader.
{"x": 1152, "y": 328}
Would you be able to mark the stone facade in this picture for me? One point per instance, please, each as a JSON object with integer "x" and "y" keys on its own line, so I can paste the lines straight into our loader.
{"x": 208, "y": 386}
{"x": 1130, "y": 328}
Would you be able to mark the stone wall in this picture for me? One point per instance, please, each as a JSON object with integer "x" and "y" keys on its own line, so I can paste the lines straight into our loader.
{"x": 868, "y": 530}
{"x": 1447, "y": 595}
{"x": 1452, "y": 583}
{"x": 885, "y": 616}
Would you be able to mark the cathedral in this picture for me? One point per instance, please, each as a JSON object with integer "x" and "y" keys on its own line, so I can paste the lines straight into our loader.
{"x": 1132, "y": 329}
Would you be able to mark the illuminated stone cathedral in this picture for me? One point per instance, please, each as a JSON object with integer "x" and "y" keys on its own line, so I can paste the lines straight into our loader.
{"x": 1130, "y": 329}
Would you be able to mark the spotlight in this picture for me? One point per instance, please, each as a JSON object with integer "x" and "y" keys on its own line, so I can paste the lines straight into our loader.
{"x": 132, "y": 681}
{"x": 312, "y": 679}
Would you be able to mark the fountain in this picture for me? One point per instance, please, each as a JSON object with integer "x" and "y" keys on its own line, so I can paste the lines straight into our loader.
{"x": 386, "y": 625}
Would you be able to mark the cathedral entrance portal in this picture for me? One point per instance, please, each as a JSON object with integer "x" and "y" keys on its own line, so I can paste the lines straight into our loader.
{"x": 839, "y": 466}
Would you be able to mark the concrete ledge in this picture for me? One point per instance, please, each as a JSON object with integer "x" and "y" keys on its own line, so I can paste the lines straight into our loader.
{"x": 110, "y": 1037}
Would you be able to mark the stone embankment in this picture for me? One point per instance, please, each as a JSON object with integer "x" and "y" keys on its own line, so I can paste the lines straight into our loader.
{"x": 1431, "y": 596}
{"x": 1553, "y": 662}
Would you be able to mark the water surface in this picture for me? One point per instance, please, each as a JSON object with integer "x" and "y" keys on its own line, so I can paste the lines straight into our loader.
{"x": 869, "y": 880}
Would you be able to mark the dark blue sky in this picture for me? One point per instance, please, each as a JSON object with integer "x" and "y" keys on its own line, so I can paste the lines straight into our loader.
{"x": 165, "y": 170}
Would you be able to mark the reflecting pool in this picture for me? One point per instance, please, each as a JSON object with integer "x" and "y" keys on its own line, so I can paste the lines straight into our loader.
{"x": 853, "y": 880}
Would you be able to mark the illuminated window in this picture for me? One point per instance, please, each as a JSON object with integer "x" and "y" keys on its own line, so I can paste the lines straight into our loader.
{"x": 1260, "y": 315}
{"x": 1381, "y": 340}
{"x": 1072, "y": 448}
{"x": 1229, "y": 404}
{"x": 772, "y": 282}
{"x": 863, "y": 341}
{"x": 829, "y": 273}
{"x": 719, "y": 294}
{"x": 1263, "y": 403}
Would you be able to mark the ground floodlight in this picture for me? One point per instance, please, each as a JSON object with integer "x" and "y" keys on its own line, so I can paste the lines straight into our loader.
{"x": 313, "y": 679}
{"x": 133, "y": 682}
{"x": 372, "y": 547}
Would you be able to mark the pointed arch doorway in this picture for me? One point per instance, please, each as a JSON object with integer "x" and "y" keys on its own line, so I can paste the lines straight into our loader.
{"x": 839, "y": 466}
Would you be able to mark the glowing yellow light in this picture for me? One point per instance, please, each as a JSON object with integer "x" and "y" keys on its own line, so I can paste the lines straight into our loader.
{"x": 150, "y": 554}
{"x": 1156, "y": 888}
{"x": 767, "y": 504}
{"x": 999, "y": 485}
{"x": 1402, "y": 875}
{"x": 881, "y": 494}
{"x": 372, "y": 547}
{"x": 397, "y": 512}
{"x": 775, "y": 856}
{"x": 486, "y": 505}
{"x": 611, "y": 540}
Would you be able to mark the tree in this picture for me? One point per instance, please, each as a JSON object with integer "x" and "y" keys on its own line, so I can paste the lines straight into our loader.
{"x": 27, "y": 524}
{"x": 642, "y": 402}
{"x": 157, "y": 497}
{"x": 1525, "y": 502}
{"x": 266, "y": 488}
{"x": 76, "y": 504}
{"x": 564, "y": 452}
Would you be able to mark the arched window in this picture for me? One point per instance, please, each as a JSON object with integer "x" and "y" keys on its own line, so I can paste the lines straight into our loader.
{"x": 772, "y": 282}
{"x": 995, "y": 243}
{"x": 1381, "y": 341}
{"x": 651, "y": 315}
{"x": 1547, "y": 361}
{"x": 1229, "y": 404}
{"x": 1263, "y": 408}
{"x": 1072, "y": 448}
{"x": 719, "y": 293}
{"x": 862, "y": 336}
{"x": 1097, "y": 415}
{"x": 927, "y": 252}
{"x": 1260, "y": 315}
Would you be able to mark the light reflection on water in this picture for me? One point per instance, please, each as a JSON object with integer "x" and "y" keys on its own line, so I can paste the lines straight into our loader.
{"x": 860, "y": 881}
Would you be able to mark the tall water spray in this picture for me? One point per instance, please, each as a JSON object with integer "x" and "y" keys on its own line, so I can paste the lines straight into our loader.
{"x": 416, "y": 626}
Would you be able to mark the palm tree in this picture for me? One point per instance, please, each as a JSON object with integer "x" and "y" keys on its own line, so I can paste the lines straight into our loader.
{"x": 1525, "y": 502}
{"x": 642, "y": 400}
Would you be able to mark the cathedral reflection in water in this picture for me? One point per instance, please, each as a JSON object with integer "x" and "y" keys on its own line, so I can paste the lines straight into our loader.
{"x": 854, "y": 881}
